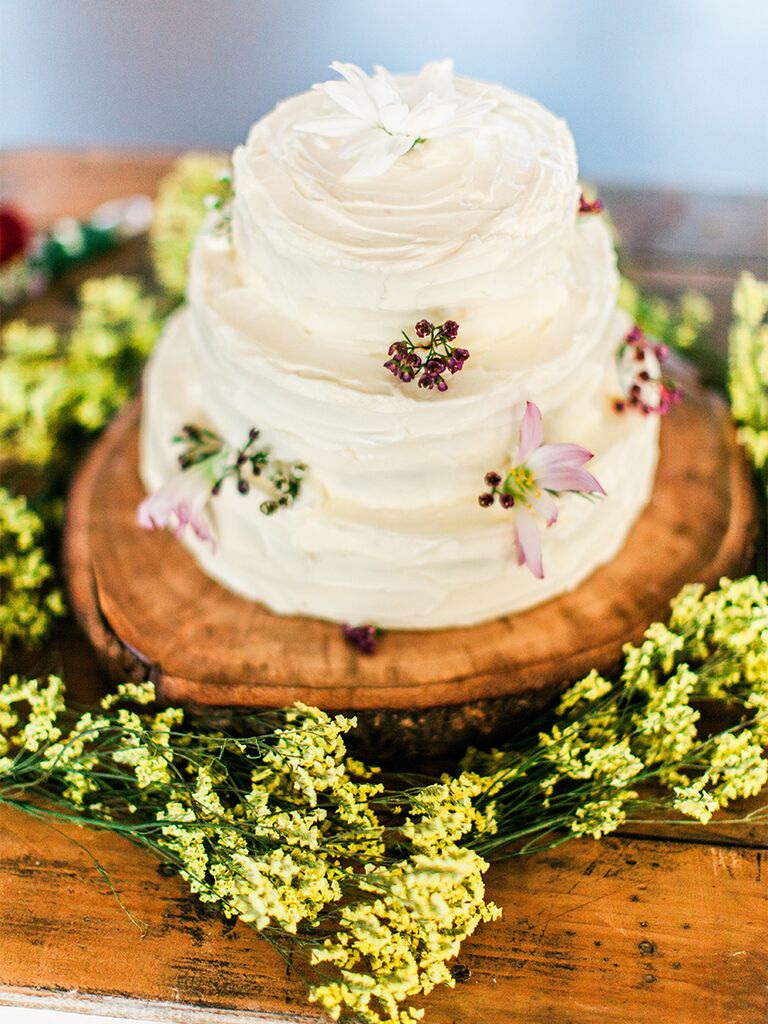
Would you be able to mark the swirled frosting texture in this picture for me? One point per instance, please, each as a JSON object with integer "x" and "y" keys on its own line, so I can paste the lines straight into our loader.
{"x": 288, "y": 328}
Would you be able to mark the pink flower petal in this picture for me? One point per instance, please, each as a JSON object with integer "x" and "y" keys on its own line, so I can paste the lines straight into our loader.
{"x": 531, "y": 432}
{"x": 556, "y": 467}
{"x": 556, "y": 455}
{"x": 546, "y": 506}
{"x": 570, "y": 479}
{"x": 180, "y": 502}
{"x": 528, "y": 542}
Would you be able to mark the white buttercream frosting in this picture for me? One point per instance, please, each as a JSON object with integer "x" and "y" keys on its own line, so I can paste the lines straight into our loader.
{"x": 287, "y": 330}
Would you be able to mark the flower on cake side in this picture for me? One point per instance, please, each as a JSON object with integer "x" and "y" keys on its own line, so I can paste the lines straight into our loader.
{"x": 640, "y": 366}
{"x": 439, "y": 355}
{"x": 539, "y": 474}
{"x": 384, "y": 118}
{"x": 587, "y": 206}
{"x": 204, "y": 465}
{"x": 365, "y": 637}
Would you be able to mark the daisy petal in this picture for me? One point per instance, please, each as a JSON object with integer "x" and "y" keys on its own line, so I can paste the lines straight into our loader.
{"x": 379, "y": 156}
{"x": 436, "y": 77}
{"x": 356, "y": 101}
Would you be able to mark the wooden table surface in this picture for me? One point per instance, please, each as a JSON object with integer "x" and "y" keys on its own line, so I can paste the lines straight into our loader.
{"x": 667, "y": 925}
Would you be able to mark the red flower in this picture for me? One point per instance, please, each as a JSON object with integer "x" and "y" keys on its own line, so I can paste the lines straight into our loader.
{"x": 15, "y": 232}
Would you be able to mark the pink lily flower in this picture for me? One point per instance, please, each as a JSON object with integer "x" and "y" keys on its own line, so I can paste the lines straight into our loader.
{"x": 182, "y": 501}
{"x": 540, "y": 473}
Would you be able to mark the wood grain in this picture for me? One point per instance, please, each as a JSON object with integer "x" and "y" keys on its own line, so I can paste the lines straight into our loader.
{"x": 593, "y": 933}
{"x": 145, "y": 603}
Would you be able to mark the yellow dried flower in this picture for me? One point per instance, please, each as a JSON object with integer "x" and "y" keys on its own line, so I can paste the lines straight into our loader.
{"x": 180, "y": 210}
{"x": 748, "y": 366}
{"x": 50, "y": 385}
{"x": 28, "y": 604}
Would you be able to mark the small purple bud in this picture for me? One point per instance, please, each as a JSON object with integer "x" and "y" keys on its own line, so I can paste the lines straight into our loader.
{"x": 634, "y": 336}
{"x": 363, "y": 637}
{"x": 485, "y": 500}
{"x": 661, "y": 352}
{"x": 450, "y": 329}
{"x": 492, "y": 479}
{"x": 243, "y": 487}
{"x": 423, "y": 328}
{"x": 506, "y": 500}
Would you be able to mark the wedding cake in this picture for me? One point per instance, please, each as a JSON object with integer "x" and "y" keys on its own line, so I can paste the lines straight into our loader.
{"x": 400, "y": 349}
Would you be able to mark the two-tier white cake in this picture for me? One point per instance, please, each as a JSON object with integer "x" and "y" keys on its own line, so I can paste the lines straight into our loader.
{"x": 357, "y": 214}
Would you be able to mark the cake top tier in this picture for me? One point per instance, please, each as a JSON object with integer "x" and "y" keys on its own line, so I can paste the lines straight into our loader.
{"x": 405, "y": 169}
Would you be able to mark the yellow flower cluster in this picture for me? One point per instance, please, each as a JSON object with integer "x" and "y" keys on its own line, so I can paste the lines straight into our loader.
{"x": 27, "y": 602}
{"x": 379, "y": 887}
{"x": 51, "y": 387}
{"x": 748, "y": 366}
{"x": 180, "y": 210}
{"x": 29, "y": 713}
{"x": 409, "y": 917}
{"x": 611, "y": 740}
{"x": 281, "y": 829}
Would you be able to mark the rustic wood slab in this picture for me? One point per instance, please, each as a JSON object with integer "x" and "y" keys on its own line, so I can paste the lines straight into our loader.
{"x": 616, "y": 932}
{"x": 148, "y": 608}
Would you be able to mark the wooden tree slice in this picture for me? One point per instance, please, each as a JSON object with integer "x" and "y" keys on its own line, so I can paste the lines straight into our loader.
{"x": 149, "y": 609}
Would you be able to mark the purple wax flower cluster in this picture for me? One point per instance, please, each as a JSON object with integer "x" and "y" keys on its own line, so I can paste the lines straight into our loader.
{"x": 587, "y": 207}
{"x": 429, "y": 358}
{"x": 647, "y": 391}
{"x": 365, "y": 638}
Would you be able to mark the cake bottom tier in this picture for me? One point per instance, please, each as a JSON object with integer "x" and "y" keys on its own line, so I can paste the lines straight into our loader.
{"x": 321, "y": 558}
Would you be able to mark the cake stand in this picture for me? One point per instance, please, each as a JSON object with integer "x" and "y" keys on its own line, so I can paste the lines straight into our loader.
{"x": 151, "y": 612}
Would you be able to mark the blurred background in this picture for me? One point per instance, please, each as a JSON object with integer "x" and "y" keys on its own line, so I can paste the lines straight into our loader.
{"x": 661, "y": 92}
